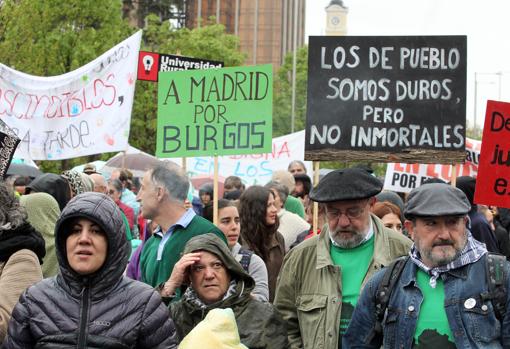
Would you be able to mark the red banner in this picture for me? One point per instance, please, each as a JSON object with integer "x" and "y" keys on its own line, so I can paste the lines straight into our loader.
{"x": 493, "y": 181}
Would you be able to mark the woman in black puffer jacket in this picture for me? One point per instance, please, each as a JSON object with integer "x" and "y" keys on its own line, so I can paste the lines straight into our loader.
{"x": 90, "y": 304}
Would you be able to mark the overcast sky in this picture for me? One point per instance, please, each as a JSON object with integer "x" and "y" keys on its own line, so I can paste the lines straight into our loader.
{"x": 484, "y": 22}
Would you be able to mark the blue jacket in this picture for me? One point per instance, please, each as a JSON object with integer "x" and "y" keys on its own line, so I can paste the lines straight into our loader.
{"x": 472, "y": 328}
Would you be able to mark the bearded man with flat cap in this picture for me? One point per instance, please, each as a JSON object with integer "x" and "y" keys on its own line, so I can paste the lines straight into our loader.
{"x": 450, "y": 293}
{"x": 321, "y": 278}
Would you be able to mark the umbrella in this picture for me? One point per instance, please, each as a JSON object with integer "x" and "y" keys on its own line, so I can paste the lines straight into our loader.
{"x": 136, "y": 163}
{"x": 23, "y": 170}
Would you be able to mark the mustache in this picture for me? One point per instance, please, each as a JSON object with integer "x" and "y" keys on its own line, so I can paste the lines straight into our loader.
{"x": 339, "y": 231}
{"x": 443, "y": 243}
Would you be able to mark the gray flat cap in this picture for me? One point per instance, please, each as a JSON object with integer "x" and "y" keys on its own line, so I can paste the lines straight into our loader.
{"x": 436, "y": 199}
{"x": 346, "y": 184}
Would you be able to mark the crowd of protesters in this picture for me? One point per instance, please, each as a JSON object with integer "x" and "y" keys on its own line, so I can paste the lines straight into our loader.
{"x": 95, "y": 261}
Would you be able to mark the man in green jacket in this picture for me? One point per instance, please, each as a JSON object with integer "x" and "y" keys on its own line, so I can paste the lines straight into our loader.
{"x": 217, "y": 280}
{"x": 162, "y": 193}
{"x": 321, "y": 279}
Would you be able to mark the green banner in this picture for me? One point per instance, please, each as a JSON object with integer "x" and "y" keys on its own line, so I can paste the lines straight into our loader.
{"x": 215, "y": 112}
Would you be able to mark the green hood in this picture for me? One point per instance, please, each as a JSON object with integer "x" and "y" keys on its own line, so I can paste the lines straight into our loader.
{"x": 213, "y": 244}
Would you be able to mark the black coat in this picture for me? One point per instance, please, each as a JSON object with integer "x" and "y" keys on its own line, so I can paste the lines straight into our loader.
{"x": 100, "y": 310}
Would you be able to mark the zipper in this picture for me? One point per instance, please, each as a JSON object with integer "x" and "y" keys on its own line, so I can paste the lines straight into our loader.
{"x": 84, "y": 317}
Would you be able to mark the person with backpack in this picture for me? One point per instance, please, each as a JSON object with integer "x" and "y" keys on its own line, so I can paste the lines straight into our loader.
{"x": 448, "y": 293}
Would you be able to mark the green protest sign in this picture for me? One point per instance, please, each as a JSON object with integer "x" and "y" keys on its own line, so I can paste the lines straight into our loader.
{"x": 215, "y": 112}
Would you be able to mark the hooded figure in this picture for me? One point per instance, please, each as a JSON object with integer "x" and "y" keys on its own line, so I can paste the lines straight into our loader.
{"x": 53, "y": 184}
{"x": 79, "y": 182}
{"x": 259, "y": 324}
{"x": 43, "y": 212}
{"x": 90, "y": 304}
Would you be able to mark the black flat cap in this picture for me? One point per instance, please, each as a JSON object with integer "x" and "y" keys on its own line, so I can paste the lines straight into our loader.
{"x": 436, "y": 199}
{"x": 346, "y": 184}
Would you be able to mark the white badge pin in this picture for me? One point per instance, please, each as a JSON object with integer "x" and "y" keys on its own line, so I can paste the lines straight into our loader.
{"x": 470, "y": 303}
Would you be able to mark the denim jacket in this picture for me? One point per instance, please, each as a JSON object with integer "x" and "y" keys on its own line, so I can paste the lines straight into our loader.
{"x": 477, "y": 327}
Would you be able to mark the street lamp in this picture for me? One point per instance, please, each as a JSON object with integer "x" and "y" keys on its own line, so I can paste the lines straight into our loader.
{"x": 477, "y": 74}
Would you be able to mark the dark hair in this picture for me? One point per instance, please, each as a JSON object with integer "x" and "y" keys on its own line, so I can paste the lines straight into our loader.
{"x": 252, "y": 213}
{"x": 307, "y": 183}
{"x": 208, "y": 209}
{"x": 10, "y": 210}
{"x": 383, "y": 208}
{"x": 22, "y": 181}
{"x": 232, "y": 195}
{"x": 233, "y": 182}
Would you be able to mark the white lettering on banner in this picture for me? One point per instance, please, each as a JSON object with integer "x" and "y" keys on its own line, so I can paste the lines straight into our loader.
{"x": 254, "y": 168}
{"x": 83, "y": 112}
{"x": 405, "y": 177}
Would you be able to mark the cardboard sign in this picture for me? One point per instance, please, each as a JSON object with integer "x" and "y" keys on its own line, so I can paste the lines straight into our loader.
{"x": 402, "y": 177}
{"x": 493, "y": 182}
{"x": 83, "y": 112}
{"x": 253, "y": 168}
{"x": 151, "y": 63}
{"x": 215, "y": 112}
{"x": 386, "y": 98}
{"x": 8, "y": 143}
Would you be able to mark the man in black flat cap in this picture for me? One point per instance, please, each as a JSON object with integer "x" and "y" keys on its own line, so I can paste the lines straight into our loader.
{"x": 449, "y": 292}
{"x": 321, "y": 278}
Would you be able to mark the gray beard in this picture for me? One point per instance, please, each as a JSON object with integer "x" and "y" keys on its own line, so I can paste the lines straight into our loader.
{"x": 355, "y": 241}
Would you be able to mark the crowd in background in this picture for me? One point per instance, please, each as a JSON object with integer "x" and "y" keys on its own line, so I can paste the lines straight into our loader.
{"x": 256, "y": 227}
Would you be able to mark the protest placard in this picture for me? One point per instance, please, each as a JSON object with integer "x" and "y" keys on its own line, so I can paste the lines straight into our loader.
{"x": 252, "y": 168}
{"x": 8, "y": 143}
{"x": 402, "y": 177}
{"x": 493, "y": 182}
{"x": 86, "y": 111}
{"x": 215, "y": 112}
{"x": 386, "y": 98}
{"x": 151, "y": 63}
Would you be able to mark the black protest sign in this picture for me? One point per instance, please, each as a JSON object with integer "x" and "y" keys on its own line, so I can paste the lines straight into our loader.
{"x": 386, "y": 98}
{"x": 8, "y": 143}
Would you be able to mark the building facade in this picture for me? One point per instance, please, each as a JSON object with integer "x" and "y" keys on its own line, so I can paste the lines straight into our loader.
{"x": 265, "y": 27}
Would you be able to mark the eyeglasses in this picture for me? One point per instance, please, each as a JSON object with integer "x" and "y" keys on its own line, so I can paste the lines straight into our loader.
{"x": 351, "y": 213}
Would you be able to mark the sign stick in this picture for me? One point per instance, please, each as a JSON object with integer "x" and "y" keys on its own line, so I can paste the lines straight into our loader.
{"x": 316, "y": 165}
{"x": 454, "y": 175}
{"x": 123, "y": 159}
{"x": 184, "y": 164}
{"x": 215, "y": 191}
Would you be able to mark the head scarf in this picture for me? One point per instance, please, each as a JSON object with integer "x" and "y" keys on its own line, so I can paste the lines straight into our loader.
{"x": 43, "y": 211}
{"x": 79, "y": 182}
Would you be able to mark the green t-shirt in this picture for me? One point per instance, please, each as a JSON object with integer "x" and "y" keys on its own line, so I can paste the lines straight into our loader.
{"x": 294, "y": 205}
{"x": 432, "y": 327}
{"x": 354, "y": 264}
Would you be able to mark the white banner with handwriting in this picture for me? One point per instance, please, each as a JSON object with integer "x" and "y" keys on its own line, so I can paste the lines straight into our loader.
{"x": 83, "y": 112}
{"x": 252, "y": 168}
